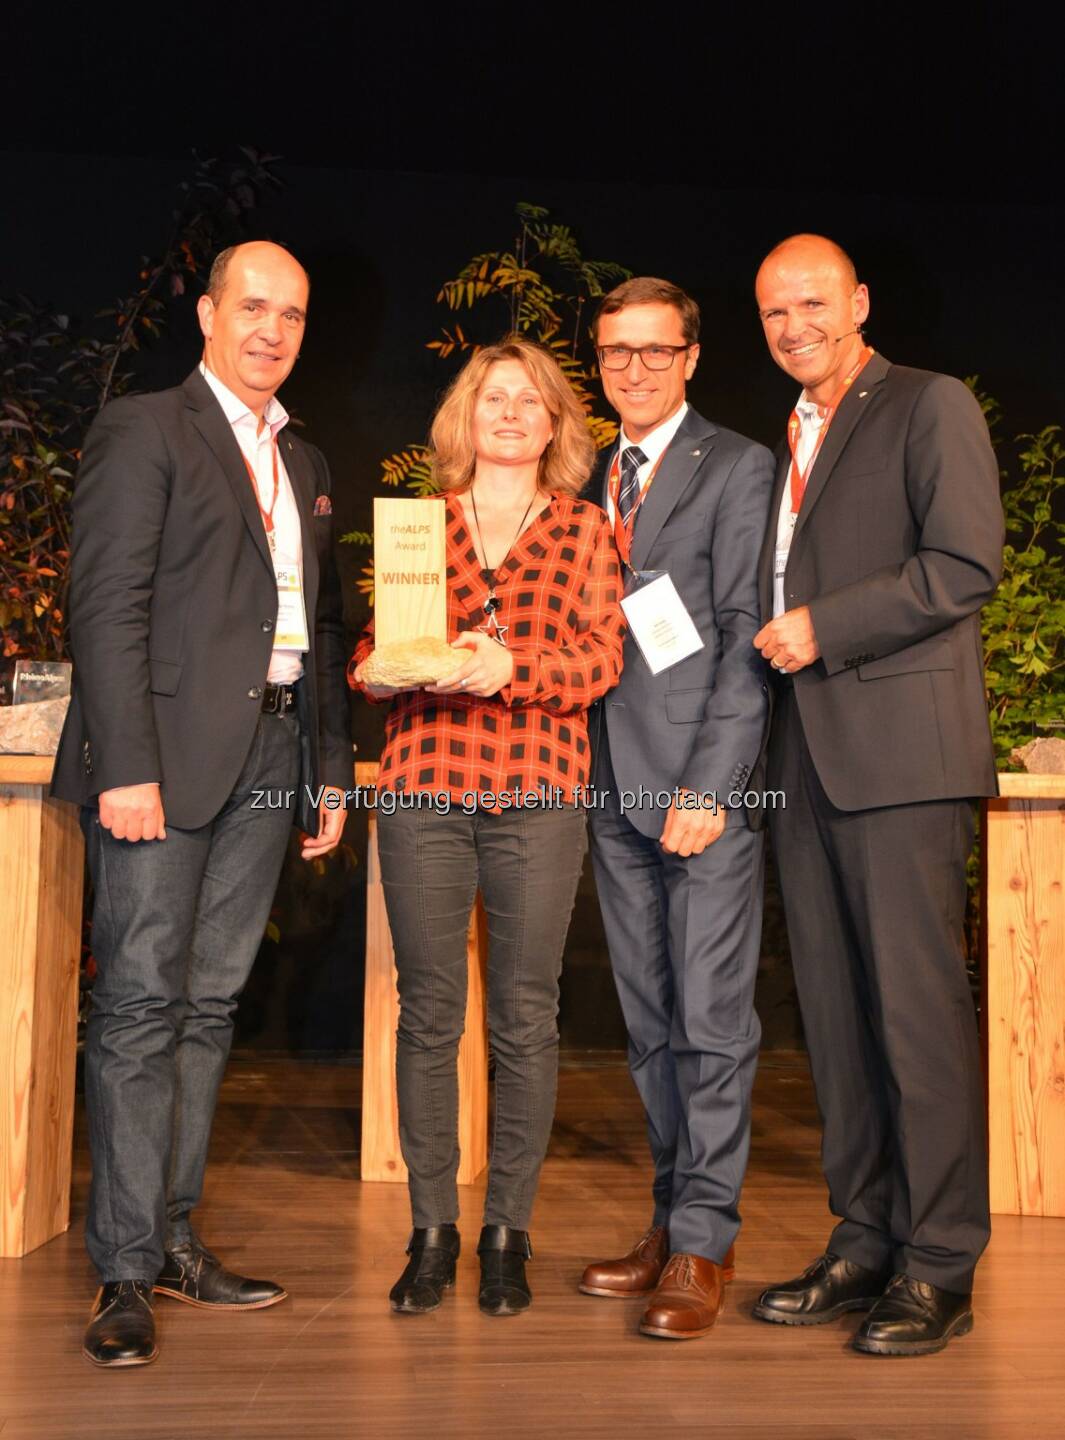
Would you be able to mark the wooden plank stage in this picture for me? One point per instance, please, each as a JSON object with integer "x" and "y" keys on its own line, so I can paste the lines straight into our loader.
{"x": 284, "y": 1200}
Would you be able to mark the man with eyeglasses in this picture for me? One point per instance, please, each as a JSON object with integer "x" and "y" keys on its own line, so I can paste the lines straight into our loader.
{"x": 678, "y": 870}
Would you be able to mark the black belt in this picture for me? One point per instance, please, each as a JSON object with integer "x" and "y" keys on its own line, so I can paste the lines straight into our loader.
{"x": 279, "y": 699}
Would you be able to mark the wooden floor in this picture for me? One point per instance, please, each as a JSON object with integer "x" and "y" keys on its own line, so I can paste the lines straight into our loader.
{"x": 284, "y": 1201}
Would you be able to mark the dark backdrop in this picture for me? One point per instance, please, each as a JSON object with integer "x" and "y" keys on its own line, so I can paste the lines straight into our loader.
{"x": 966, "y": 284}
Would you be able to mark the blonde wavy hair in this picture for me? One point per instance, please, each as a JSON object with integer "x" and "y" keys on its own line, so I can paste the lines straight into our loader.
{"x": 566, "y": 463}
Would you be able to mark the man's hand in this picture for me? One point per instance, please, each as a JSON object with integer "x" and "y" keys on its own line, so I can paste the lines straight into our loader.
{"x": 133, "y": 812}
{"x": 688, "y": 831}
{"x": 789, "y": 642}
{"x": 488, "y": 669}
{"x": 330, "y": 826}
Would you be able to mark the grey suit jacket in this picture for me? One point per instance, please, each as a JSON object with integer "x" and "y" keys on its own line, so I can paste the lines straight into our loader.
{"x": 698, "y": 725}
{"x": 897, "y": 546}
{"x": 172, "y": 610}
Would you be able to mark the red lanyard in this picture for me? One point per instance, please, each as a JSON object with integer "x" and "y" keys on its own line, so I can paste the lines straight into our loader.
{"x": 798, "y": 478}
{"x": 268, "y": 515}
{"x": 623, "y": 532}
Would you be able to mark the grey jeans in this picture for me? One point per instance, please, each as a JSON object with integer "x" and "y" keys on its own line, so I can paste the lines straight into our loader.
{"x": 527, "y": 863}
{"x": 176, "y": 927}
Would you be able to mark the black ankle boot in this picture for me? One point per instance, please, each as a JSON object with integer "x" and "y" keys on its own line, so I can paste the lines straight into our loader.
{"x": 430, "y": 1270}
{"x": 504, "y": 1289}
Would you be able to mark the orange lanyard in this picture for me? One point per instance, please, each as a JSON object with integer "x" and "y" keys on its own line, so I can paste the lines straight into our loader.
{"x": 798, "y": 478}
{"x": 623, "y": 532}
{"x": 268, "y": 515}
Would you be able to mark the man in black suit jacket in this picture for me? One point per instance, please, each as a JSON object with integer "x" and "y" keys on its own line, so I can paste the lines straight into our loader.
{"x": 209, "y": 708}
{"x": 678, "y": 870}
{"x": 884, "y": 540}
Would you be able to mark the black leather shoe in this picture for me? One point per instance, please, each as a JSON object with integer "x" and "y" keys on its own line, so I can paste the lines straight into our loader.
{"x": 430, "y": 1270}
{"x": 913, "y": 1317}
{"x": 192, "y": 1274}
{"x": 824, "y": 1291}
{"x": 122, "y": 1325}
{"x": 504, "y": 1289}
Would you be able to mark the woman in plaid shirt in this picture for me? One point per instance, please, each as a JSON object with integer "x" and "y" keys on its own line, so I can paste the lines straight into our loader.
{"x": 482, "y": 784}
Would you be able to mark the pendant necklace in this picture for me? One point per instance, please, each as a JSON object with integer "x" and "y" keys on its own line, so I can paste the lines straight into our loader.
{"x": 492, "y": 602}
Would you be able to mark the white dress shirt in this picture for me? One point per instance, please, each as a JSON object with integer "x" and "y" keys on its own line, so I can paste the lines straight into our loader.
{"x": 257, "y": 447}
{"x": 653, "y": 446}
{"x": 811, "y": 421}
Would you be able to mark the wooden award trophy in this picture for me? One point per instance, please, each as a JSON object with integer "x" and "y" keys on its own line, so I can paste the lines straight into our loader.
{"x": 410, "y": 594}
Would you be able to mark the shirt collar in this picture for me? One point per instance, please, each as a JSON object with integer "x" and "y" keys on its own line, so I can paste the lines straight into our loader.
{"x": 654, "y": 444}
{"x": 275, "y": 416}
{"x": 808, "y": 410}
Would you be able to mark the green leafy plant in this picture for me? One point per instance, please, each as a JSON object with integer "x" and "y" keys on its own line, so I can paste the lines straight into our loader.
{"x": 54, "y": 379}
{"x": 1024, "y": 623}
{"x": 541, "y": 287}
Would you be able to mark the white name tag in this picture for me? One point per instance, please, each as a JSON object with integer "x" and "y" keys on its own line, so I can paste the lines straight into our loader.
{"x": 290, "y": 632}
{"x": 660, "y": 624}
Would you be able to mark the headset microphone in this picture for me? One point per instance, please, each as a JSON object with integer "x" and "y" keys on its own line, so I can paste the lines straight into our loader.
{"x": 856, "y": 331}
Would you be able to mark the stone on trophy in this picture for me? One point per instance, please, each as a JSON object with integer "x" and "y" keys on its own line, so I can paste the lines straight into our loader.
{"x": 34, "y": 728}
{"x": 1045, "y": 756}
{"x": 421, "y": 661}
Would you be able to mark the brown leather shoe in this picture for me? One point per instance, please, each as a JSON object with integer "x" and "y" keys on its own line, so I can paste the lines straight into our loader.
{"x": 638, "y": 1272}
{"x": 635, "y": 1273}
{"x": 687, "y": 1301}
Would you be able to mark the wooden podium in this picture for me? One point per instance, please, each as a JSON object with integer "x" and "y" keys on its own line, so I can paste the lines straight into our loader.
{"x": 41, "y": 875}
{"x": 410, "y": 600}
{"x": 1024, "y": 993}
{"x": 380, "y": 1153}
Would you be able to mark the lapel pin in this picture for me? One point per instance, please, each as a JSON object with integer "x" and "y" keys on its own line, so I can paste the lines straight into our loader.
{"x": 861, "y": 396}
{"x": 696, "y": 452}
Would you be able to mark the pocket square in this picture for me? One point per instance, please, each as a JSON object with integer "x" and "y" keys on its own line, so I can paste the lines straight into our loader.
{"x": 323, "y": 505}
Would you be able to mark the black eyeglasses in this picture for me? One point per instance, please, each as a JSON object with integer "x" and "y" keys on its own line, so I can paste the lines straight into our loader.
{"x": 655, "y": 357}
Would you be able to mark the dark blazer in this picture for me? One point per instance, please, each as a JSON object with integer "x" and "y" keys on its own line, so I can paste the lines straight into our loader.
{"x": 172, "y": 609}
{"x": 698, "y": 725}
{"x": 897, "y": 546}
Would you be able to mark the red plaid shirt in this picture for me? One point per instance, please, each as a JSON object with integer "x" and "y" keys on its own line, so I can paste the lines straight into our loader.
{"x": 560, "y": 589}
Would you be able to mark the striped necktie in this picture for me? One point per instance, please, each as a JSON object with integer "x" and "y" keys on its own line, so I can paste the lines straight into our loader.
{"x": 632, "y": 457}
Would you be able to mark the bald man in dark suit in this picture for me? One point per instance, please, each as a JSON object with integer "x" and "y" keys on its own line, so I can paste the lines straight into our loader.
{"x": 209, "y": 709}
{"x": 884, "y": 540}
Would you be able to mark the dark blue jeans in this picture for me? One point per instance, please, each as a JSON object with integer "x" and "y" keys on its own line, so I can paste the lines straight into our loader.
{"x": 176, "y": 927}
{"x": 527, "y": 863}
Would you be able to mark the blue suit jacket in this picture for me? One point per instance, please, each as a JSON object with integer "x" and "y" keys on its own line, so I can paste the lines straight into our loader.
{"x": 698, "y": 725}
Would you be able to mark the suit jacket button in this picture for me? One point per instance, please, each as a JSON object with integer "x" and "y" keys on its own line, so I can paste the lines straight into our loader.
{"x": 255, "y": 693}
{"x": 266, "y": 626}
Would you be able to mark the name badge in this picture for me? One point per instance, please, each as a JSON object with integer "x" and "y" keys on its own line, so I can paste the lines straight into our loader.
{"x": 660, "y": 624}
{"x": 290, "y": 632}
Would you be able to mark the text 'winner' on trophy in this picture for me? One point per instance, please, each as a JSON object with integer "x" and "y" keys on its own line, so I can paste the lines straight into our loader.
{"x": 410, "y": 595}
